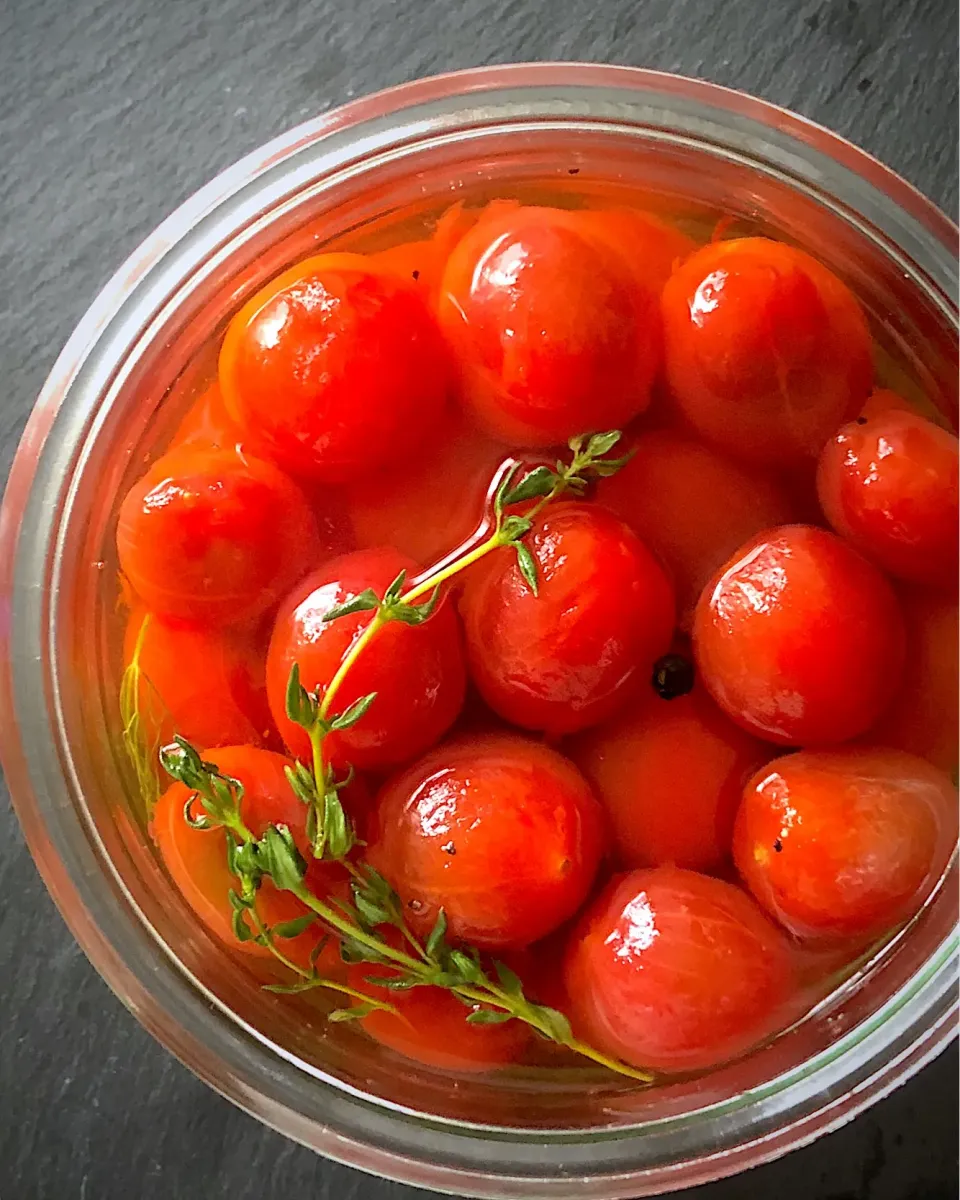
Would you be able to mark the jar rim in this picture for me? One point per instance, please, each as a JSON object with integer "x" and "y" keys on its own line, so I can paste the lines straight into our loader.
{"x": 910, "y": 1028}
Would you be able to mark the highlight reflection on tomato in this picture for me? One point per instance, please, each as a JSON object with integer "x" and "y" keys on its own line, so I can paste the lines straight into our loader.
{"x": 676, "y": 971}
{"x": 555, "y": 335}
{"x": 766, "y": 352}
{"x": 845, "y": 842}
{"x": 503, "y": 834}
{"x": 336, "y": 366}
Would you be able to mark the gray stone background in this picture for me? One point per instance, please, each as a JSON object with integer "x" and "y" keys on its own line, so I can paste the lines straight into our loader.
{"x": 113, "y": 111}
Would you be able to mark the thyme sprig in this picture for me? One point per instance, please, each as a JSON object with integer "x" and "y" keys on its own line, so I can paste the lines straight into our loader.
{"x": 494, "y": 993}
{"x": 416, "y": 604}
{"x": 367, "y": 924}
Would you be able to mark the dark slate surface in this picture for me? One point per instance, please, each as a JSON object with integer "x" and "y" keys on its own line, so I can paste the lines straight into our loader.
{"x": 111, "y": 112}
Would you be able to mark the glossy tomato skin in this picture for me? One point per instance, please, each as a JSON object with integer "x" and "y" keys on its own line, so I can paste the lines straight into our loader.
{"x": 554, "y": 334}
{"x": 924, "y": 716}
{"x": 844, "y": 843}
{"x": 337, "y": 366}
{"x": 670, "y": 774}
{"x": 431, "y": 1027}
{"x": 417, "y": 671}
{"x": 502, "y": 833}
{"x": 208, "y": 685}
{"x": 197, "y": 859}
{"x": 214, "y": 537}
{"x": 799, "y": 639}
{"x": 676, "y": 971}
{"x": 692, "y": 507}
{"x": 569, "y": 656}
{"x": 766, "y": 352}
{"x": 888, "y": 484}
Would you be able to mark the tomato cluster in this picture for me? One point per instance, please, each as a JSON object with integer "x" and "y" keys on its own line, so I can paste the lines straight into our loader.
{"x": 685, "y": 725}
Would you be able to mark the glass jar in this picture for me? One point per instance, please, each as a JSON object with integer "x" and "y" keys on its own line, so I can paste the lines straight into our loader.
{"x": 107, "y": 402}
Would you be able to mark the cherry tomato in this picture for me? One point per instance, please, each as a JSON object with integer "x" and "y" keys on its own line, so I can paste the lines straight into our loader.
{"x": 197, "y": 859}
{"x": 925, "y": 714}
{"x": 670, "y": 773}
{"x": 766, "y": 351}
{"x": 692, "y": 507}
{"x": 207, "y": 685}
{"x": 568, "y": 656}
{"x": 337, "y": 366}
{"x": 800, "y": 639}
{"x": 427, "y": 506}
{"x": 431, "y": 1027}
{"x": 214, "y": 537}
{"x": 676, "y": 971}
{"x": 416, "y": 671}
{"x": 502, "y": 833}
{"x": 554, "y": 334}
{"x": 845, "y": 842}
{"x": 888, "y": 484}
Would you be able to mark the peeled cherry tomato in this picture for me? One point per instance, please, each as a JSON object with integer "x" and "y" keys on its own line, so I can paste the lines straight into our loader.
{"x": 692, "y": 507}
{"x": 924, "y": 717}
{"x": 214, "y": 537}
{"x": 766, "y": 352}
{"x": 207, "y": 685}
{"x": 336, "y": 365}
{"x": 888, "y": 484}
{"x": 554, "y": 334}
{"x": 431, "y": 1027}
{"x": 676, "y": 971}
{"x": 416, "y": 671}
{"x": 501, "y": 833}
{"x": 670, "y": 773}
{"x": 427, "y": 506}
{"x": 800, "y": 639}
{"x": 567, "y": 657}
{"x": 845, "y": 842}
{"x": 197, "y": 859}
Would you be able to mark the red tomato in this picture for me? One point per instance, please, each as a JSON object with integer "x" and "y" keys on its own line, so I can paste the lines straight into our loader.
{"x": 567, "y": 658}
{"x": 416, "y": 671}
{"x": 888, "y": 484}
{"x": 800, "y": 639}
{"x": 554, "y": 334}
{"x": 427, "y": 506}
{"x": 766, "y": 351}
{"x": 676, "y": 971}
{"x": 501, "y": 833}
{"x": 214, "y": 537}
{"x": 336, "y": 365}
{"x": 197, "y": 859}
{"x": 692, "y": 507}
{"x": 207, "y": 685}
{"x": 924, "y": 717}
{"x": 431, "y": 1027}
{"x": 670, "y": 774}
{"x": 845, "y": 842}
